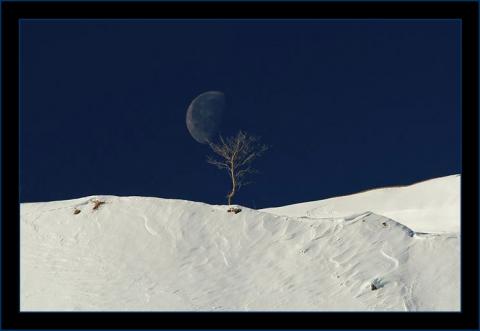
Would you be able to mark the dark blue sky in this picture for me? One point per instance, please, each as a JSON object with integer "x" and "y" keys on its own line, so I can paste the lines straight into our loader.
{"x": 345, "y": 105}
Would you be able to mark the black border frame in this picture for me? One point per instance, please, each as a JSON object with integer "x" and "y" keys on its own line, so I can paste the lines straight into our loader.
{"x": 12, "y": 318}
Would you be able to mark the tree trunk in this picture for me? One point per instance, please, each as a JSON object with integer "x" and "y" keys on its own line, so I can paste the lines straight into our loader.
{"x": 234, "y": 184}
{"x": 232, "y": 193}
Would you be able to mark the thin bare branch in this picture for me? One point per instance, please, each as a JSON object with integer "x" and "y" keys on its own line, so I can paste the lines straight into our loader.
{"x": 217, "y": 163}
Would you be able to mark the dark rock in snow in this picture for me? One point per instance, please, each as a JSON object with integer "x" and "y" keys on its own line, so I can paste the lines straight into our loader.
{"x": 234, "y": 210}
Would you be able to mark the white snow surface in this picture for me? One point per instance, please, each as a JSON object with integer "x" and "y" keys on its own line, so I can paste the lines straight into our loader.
{"x": 428, "y": 206}
{"x": 152, "y": 254}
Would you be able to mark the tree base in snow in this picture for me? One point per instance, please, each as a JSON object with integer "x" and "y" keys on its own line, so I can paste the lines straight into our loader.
{"x": 234, "y": 210}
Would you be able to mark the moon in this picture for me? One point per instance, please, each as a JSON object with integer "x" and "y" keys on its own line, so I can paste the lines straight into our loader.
{"x": 204, "y": 115}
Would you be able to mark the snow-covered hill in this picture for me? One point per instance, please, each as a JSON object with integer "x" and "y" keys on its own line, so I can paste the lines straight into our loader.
{"x": 429, "y": 206}
{"x": 151, "y": 254}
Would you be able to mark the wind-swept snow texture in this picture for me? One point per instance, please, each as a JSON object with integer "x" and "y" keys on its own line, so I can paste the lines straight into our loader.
{"x": 151, "y": 254}
{"x": 429, "y": 206}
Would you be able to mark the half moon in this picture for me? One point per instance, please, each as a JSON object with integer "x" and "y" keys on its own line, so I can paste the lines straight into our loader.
{"x": 204, "y": 115}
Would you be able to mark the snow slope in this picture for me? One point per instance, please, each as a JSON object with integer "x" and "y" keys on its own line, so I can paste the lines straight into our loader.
{"x": 429, "y": 206}
{"x": 151, "y": 254}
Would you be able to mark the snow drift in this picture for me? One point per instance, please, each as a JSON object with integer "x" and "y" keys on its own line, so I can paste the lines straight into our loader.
{"x": 428, "y": 206}
{"x": 152, "y": 254}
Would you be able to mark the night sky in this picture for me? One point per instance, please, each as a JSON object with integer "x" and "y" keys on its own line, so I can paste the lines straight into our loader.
{"x": 345, "y": 106}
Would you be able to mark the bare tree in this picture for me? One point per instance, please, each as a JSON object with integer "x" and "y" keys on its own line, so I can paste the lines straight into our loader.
{"x": 235, "y": 154}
